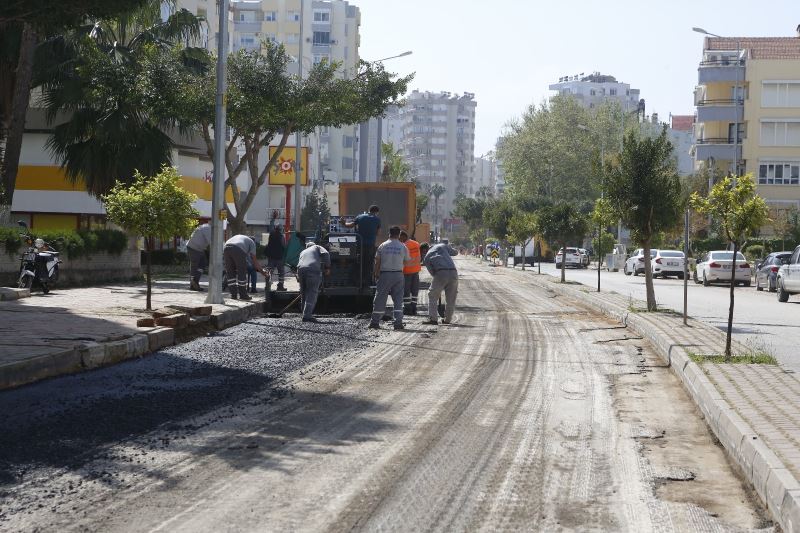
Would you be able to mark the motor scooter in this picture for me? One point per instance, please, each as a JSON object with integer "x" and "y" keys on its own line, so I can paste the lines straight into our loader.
{"x": 39, "y": 263}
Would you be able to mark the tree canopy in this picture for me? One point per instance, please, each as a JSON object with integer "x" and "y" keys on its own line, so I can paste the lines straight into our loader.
{"x": 395, "y": 169}
{"x": 562, "y": 224}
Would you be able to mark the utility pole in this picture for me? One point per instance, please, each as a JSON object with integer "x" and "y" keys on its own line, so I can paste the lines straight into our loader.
{"x": 298, "y": 166}
{"x": 220, "y": 127}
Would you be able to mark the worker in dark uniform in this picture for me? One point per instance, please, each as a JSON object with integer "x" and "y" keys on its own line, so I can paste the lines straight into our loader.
{"x": 235, "y": 253}
{"x": 196, "y": 248}
{"x": 276, "y": 250}
{"x": 439, "y": 262}
{"x": 389, "y": 260}
{"x": 367, "y": 226}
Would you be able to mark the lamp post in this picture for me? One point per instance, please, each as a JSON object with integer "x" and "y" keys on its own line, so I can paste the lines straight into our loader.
{"x": 218, "y": 198}
{"x": 738, "y": 98}
{"x": 298, "y": 170}
{"x": 602, "y": 195}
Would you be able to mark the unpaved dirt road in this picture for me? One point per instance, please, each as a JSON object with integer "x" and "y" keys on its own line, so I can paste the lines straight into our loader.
{"x": 528, "y": 413}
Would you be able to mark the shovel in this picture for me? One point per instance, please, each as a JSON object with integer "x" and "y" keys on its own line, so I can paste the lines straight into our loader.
{"x": 280, "y": 314}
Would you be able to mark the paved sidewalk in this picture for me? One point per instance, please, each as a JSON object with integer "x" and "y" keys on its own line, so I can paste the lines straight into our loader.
{"x": 754, "y": 410}
{"x": 75, "y": 329}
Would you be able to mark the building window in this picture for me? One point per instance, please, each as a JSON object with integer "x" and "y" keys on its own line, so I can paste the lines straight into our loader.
{"x": 322, "y": 16}
{"x": 779, "y": 173}
{"x": 322, "y": 38}
{"x": 292, "y": 38}
{"x": 270, "y": 16}
{"x": 784, "y": 94}
{"x": 347, "y": 141}
{"x": 347, "y": 163}
{"x": 247, "y": 16}
{"x": 780, "y": 133}
{"x": 247, "y": 39}
{"x": 293, "y": 16}
{"x": 612, "y": 92}
{"x": 319, "y": 58}
{"x": 592, "y": 92}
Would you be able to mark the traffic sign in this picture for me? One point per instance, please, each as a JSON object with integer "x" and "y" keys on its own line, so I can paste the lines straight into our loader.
{"x": 495, "y": 254}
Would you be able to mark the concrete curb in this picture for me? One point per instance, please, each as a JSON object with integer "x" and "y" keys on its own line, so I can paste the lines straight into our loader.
{"x": 774, "y": 483}
{"x": 8, "y": 294}
{"x": 90, "y": 355}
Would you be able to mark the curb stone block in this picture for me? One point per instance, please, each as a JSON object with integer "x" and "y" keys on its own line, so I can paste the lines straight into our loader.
{"x": 200, "y": 310}
{"x": 779, "y": 482}
{"x": 176, "y": 321}
{"x": 732, "y": 431}
{"x": 145, "y": 323}
{"x": 10, "y": 293}
{"x": 92, "y": 354}
{"x": 764, "y": 461}
{"x": 160, "y": 338}
{"x": 790, "y": 511}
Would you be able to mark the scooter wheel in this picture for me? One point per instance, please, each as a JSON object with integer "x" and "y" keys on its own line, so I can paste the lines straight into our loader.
{"x": 25, "y": 283}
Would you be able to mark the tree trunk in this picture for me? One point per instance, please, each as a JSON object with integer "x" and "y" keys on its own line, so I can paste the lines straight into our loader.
{"x": 648, "y": 278}
{"x": 730, "y": 307}
{"x": 236, "y": 225}
{"x": 148, "y": 244}
{"x": 19, "y": 108}
{"x": 523, "y": 254}
{"x": 564, "y": 262}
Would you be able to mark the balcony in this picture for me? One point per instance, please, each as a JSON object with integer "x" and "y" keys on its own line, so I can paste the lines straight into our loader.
{"x": 723, "y": 70}
{"x": 719, "y": 110}
{"x": 720, "y": 148}
{"x": 247, "y": 27}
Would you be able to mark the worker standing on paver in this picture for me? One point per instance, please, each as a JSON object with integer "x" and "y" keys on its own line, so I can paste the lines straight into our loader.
{"x": 196, "y": 248}
{"x": 314, "y": 261}
{"x": 235, "y": 254}
{"x": 367, "y": 226}
{"x": 411, "y": 270}
{"x": 439, "y": 263}
{"x": 276, "y": 250}
{"x": 389, "y": 260}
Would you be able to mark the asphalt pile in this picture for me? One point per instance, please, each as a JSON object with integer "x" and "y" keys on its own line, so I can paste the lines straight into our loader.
{"x": 64, "y": 423}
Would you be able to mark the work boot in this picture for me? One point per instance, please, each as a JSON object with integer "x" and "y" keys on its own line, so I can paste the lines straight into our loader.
{"x": 281, "y": 288}
{"x": 413, "y": 310}
{"x": 194, "y": 286}
{"x": 243, "y": 294}
{"x": 234, "y": 295}
{"x": 432, "y": 321}
{"x": 373, "y": 325}
{"x": 399, "y": 326}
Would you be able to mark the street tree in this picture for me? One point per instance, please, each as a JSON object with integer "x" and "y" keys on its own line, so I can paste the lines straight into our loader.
{"x": 24, "y": 25}
{"x": 602, "y": 217}
{"x": 422, "y": 203}
{"x": 470, "y": 210}
{"x": 740, "y": 212}
{"x": 562, "y": 224}
{"x": 436, "y": 190}
{"x": 521, "y": 229}
{"x": 102, "y": 77}
{"x": 315, "y": 213}
{"x": 644, "y": 191}
{"x": 154, "y": 208}
{"x": 266, "y": 106}
{"x": 395, "y": 168}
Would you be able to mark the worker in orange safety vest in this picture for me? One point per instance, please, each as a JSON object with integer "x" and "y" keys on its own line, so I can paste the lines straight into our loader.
{"x": 411, "y": 270}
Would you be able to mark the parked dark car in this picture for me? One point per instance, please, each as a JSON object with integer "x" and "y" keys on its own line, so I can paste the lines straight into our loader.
{"x": 767, "y": 270}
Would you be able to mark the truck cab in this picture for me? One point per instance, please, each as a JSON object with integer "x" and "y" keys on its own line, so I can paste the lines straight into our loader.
{"x": 788, "y": 279}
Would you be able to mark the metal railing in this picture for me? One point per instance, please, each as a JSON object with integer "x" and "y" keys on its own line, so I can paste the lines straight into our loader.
{"x": 720, "y": 102}
{"x": 717, "y": 140}
{"x": 722, "y": 63}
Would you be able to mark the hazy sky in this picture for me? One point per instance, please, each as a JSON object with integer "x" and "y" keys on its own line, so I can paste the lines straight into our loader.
{"x": 507, "y": 52}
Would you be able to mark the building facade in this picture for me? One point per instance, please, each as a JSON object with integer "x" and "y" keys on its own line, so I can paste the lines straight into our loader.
{"x": 592, "y": 90}
{"x": 330, "y": 32}
{"x": 437, "y": 139}
{"x": 748, "y": 113}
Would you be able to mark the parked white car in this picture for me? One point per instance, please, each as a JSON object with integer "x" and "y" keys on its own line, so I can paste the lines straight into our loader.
{"x": 668, "y": 263}
{"x": 635, "y": 263}
{"x": 715, "y": 267}
{"x": 788, "y": 279}
{"x": 573, "y": 258}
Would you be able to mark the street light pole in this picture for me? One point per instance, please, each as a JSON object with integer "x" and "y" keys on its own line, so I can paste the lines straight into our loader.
{"x": 218, "y": 198}
{"x": 298, "y": 137}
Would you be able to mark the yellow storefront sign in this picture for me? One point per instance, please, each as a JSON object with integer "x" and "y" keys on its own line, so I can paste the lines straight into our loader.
{"x": 282, "y": 172}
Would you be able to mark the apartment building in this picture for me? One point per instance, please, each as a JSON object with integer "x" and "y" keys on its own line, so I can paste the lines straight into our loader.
{"x": 592, "y": 90}
{"x": 748, "y": 113}
{"x": 330, "y": 32}
{"x": 438, "y": 141}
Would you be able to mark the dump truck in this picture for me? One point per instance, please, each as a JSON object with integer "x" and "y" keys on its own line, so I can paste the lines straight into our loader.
{"x": 350, "y": 277}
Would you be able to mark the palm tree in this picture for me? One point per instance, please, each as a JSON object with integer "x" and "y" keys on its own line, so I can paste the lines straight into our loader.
{"x": 436, "y": 190}
{"x": 95, "y": 75}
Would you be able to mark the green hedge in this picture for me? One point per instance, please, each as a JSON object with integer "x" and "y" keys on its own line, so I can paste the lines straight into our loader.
{"x": 73, "y": 244}
{"x": 166, "y": 257}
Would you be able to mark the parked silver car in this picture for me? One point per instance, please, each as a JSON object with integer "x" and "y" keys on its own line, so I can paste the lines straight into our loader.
{"x": 635, "y": 263}
{"x": 715, "y": 267}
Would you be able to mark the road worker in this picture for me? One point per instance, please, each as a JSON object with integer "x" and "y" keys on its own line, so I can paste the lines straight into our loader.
{"x": 439, "y": 263}
{"x": 390, "y": 258}
{"x": 235, "y": 253}
{"x": 196, "y": 249}
{"x": 411, "y": 270}
{"x": 313, "y": 262}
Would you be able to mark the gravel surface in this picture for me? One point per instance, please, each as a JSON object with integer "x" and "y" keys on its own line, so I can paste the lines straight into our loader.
{"x": 63, "y": 423}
